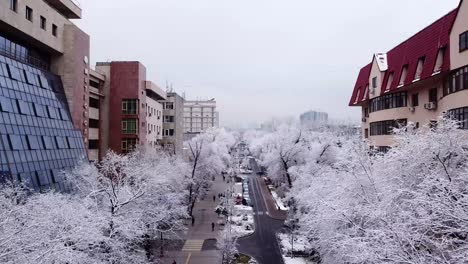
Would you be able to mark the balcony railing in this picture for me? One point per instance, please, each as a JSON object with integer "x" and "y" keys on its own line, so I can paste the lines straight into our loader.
{"x": 20, "y": 54}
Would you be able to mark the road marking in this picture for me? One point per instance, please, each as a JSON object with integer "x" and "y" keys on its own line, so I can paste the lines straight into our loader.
{"x": 188, "y": 258}
{"x": 193, "y": 245}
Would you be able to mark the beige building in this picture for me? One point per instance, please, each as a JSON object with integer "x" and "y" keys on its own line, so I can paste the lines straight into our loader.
{"x": 419, "y": 80}
{"x": 173, "y": 123}
{"x": 154, "y": 113}
{"x": 199, "y": 115}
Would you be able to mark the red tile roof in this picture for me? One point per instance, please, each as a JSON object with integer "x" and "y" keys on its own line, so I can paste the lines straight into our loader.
{"x": 425, "y": 43}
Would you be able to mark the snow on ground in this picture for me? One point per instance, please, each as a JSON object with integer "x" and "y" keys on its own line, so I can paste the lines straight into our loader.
{"x": 300, "y": 244}
{"x": 242, "y": 221}
{"x": 278, "y": 201}
{"x": 289, "y": 260}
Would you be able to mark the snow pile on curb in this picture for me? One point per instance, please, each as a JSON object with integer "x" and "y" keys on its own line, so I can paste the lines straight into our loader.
{"x": 278, "y": 201}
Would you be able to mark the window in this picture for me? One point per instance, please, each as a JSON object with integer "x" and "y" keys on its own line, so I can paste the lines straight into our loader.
{"x": 14, "y": 5}
{"x": 129, "y": 126}
{"x": 463, "y": 41}
{"x": 357, "y": 96}
{"x": 94, "y": 84}
{"x": 415, "y": 100}
{"x": 43, "y": 23}
{"x": 456, "y": 81}
{"x": 93, "y": 102}
{"x": 6, "y": 104}
{"x": 15, "y": 142}
{"x": 461, "y": 115}
{"x": 388, "y": 101}
{"x": 33, "y": 142}
{"x": 374, "y": 82}
{"x": 169, "y": 132}
{"x": 389, "y": 82}
{"x": 23, "y": 107}
{"x": 169, "y": 105}
{"x": 93, "y": 144}
{"x": 54, "y": 30}
{"x": 29, "y": 13}
{"x": 366, "y": 112}
{"x": 168, "y": 119}
{"x": 433, "y": 95}
{"x": 404, "y": 73}
{"x": 93, "y": 123}
{"x": 439, "y": 60}
{"x": 385, "y": 127}
{"x": 366, "y": 133}
{"x": 129, "y": 106}
{"x": 128, "y": 144}
{"x": 419, "y": 69}
{"x": 48, "y": 142}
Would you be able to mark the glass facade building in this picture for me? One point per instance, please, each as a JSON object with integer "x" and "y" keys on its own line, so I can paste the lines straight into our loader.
{"x": 38, "y": 139}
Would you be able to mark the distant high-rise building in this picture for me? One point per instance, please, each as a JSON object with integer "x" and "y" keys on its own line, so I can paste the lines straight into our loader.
{"x": 313, "y": 118}
{"x": 199, "y": 115}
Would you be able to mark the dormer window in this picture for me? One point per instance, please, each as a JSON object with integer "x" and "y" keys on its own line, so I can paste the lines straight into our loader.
{"x": 389, "y": 82}
{"x": 366, "y": 92}
{"x": 439, "y": 60}
{"x": 404, "y": 73}
{"x": 419, "y": 69}
{"x": 357, "y": 95}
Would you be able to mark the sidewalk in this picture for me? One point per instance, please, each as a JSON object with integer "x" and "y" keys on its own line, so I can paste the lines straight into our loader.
{"x": 199, "y": 239}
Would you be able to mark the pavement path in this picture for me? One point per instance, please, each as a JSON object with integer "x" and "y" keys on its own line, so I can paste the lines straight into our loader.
{"x": 198, "y": 245}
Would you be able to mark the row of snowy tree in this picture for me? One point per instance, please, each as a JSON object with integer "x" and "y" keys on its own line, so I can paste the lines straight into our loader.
{"x": 352, "y": 205}
{"x": 114, "y": 209}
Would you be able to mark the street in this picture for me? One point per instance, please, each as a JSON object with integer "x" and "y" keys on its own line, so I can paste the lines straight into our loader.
{"x": 262, "y": 244}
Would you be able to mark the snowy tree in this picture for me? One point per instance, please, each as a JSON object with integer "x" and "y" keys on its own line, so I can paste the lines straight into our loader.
{"x": 208, "y": 155}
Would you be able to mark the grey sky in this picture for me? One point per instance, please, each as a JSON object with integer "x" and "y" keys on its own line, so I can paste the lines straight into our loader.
{"x": 258, "y": 58}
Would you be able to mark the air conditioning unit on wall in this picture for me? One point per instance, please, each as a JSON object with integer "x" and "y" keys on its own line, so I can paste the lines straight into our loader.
{"x": 431, "y": 106}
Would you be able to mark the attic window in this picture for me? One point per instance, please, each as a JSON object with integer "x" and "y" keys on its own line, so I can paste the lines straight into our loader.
{"x": 439, "y": 60}
{"x": 357, "y": 95}
{"x": 419, "y": 69}
{"x": 404, "y": 73}
{"x": 389, "y": 82}
{"x": 366, "y": 92}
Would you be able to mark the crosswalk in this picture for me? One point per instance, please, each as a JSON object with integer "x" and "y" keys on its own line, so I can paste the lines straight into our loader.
{"x": 193, "y": 245}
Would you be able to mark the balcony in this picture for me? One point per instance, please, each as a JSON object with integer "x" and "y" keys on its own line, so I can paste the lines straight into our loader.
{"x": 68, "y": 8}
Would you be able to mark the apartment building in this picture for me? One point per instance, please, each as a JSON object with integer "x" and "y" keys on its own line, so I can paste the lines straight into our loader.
{"x": 173, "y": 123}
{"x": 131, "y": 108}
{"x": 199, "y": 115}
{"x": 312, "y": 118}
{"x": 424, "y": 77}
{"x": 44, "y": 74}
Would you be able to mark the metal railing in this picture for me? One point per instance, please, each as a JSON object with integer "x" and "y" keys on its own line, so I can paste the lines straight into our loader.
{"x": 33, "y": 61}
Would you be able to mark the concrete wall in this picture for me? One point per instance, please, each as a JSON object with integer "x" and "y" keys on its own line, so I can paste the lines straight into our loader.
{"x": 458, "y": 59}
{"x": 104, "y": 110}
{"x": 31, "y": 31}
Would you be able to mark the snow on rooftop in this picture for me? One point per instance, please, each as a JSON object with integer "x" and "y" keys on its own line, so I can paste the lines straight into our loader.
{"x": 382, "y": 61}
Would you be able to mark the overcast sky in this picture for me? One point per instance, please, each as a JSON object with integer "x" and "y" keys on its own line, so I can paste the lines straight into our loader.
{"x": 258, "y": 58}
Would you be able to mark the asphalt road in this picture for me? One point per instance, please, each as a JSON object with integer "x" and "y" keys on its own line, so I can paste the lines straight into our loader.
{"x": 262, "y": 244}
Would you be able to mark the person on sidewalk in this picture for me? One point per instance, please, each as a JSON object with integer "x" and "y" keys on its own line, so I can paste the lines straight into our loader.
{"x": 193, "y": 220}
{"x": 212, "y": 227}
{"x": 214, "y": 198}
{"x": 174, "y": 262}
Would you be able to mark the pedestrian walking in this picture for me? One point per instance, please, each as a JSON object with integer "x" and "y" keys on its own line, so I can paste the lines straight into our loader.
{"x": 224, "y": 178}
{"x": 212, "y": 227}
{"x": 193, "y": 220}
{"x": 174, "y": 262}
{"x": 214, "y": 198}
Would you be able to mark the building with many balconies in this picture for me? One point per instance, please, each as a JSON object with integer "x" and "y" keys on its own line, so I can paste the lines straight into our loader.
{"x": 424, "y": 77}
